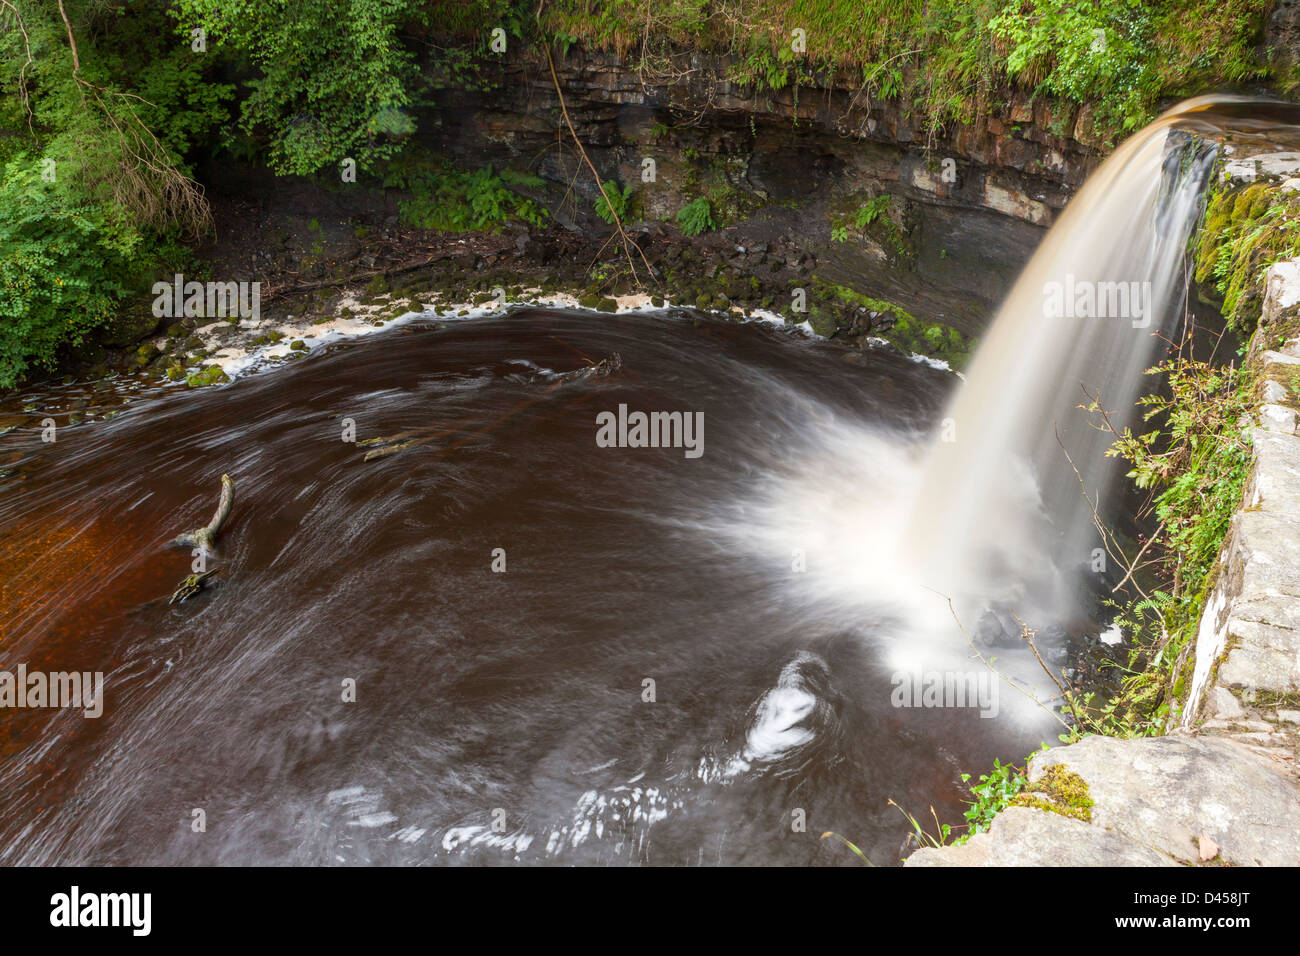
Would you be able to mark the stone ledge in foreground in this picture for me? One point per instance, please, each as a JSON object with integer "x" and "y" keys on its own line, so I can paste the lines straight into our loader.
{"x": 1024, "y": 837}
{"x": 1152, "y": 799}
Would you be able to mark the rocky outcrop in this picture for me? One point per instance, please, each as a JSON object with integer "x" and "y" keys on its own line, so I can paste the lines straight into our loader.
{"x": 1020, "y": 836}
{"x": 1246, "y": 682}
{"x": 1023, "y": 159}
{"x": 1156, "y": 801}
{"x": 967, "y": 206}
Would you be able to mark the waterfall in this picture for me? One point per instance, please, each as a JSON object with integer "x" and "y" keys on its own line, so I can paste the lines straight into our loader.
{"x": 1000, "y": 519}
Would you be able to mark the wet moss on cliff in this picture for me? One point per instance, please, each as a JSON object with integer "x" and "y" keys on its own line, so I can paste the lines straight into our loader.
{"x": 1246, "y": 229}
{"x": 891, "y": 322}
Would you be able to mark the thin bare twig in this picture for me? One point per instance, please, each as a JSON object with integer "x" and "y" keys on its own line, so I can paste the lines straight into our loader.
{"x": 618, "y": 223}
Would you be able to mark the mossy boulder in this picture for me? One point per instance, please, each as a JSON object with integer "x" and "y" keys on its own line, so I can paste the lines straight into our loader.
{"x": 146, "y": 353}
{"x": 207, "y": 375}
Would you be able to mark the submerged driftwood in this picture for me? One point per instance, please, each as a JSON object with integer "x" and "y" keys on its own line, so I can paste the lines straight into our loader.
{"x": 206, "y": 537}
{"x": 385, "y": 445}
{"x": 190, "y": 587}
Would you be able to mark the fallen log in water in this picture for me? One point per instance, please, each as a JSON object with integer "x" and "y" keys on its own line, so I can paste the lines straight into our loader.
{"x": 206, "y": 536}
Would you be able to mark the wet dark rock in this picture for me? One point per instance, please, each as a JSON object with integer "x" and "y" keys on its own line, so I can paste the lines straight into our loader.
{"x": 998, "y": 628}
{"x": 128, "y": 326}
{"x": 146, "y": 353}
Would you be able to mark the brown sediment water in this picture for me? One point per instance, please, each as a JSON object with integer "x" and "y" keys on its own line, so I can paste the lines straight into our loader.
{"x": 477, "y": 692}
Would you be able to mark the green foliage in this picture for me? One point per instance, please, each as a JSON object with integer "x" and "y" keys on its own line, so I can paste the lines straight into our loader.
{"x": 872, "y": 210}
{"x": 95, "y": 188}
{"x": 852, "y": 846}
{"x": 1245, "y": 231}
{"x": 617, "y": 206}
{"x": 334, "y": 77}
{"x": 63, "y": 268}
{"x": 947, "y": 60}
{"x": 696, "y": 217}
{"x": 453, "y": 200}
{"x": 993, "y": 793}
{"x": 1197, "y": 460}
{"x": 942, "y": 834}
{"x": 1099, "y": 51}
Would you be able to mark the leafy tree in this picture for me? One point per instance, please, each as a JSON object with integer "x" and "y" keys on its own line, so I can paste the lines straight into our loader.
{"x": 333, "y": 76}
{"x": 61, "y": 269}
{"x": 95, "y": 188}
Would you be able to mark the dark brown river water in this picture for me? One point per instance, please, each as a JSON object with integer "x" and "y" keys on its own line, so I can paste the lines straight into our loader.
{"x": 499, "y": 717}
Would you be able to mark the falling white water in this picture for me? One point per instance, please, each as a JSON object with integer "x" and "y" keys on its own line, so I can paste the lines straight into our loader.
{"x": 894, "y": 525}
{"x": 1004, "y": 512}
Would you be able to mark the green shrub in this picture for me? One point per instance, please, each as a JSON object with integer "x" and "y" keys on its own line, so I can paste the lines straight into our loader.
{"x": 452, "y": 200}
{"x": 1196, "y": 461}
{"x": 993, "y": 793}
{"x": 618, "y": 200}
{"x": 696, "y": 217}
{"x": 63, "y": 269}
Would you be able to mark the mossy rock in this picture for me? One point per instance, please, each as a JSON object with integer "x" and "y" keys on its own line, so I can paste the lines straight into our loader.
{"x": 298, "y": 345}
{"x": 208, "y": 375}
{"x": 147, "y": 353}
{"x": 822, "y": 320}
{"x": 128, "y": 327}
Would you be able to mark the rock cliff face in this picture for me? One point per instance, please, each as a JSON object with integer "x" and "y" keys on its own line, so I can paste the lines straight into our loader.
{"x": 1246, "y": 682}
{"x": 1023, "y": 161}
{"x": 966, "y": 207}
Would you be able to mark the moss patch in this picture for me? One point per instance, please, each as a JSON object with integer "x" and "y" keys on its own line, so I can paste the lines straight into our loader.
{"x": 1058, "y": 790}
{"x": 1246, "y": 229}
{"x": 208, "y": 375}
{"x": 901, "y": 329}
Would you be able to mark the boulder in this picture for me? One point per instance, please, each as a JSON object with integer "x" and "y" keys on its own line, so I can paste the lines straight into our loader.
{"x": 1021, "y": 836}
